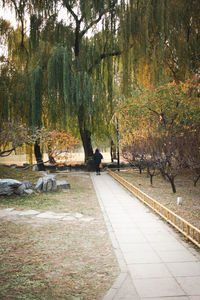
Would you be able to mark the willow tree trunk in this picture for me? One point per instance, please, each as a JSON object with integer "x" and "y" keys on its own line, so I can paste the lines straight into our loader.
{"x": 86, "y": 139}
{"x": 38, "y": 157}
{"x": 87, "y": 144}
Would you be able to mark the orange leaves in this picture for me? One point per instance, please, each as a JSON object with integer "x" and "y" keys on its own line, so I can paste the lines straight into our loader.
{"x": 13, "y": 135}
{"x": 62, "y": 141}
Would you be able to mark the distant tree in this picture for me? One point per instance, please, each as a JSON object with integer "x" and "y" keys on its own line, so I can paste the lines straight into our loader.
{"x": 12, "y": 136}
{"x": 190, "y": 150}
{"x": 135, "y": 155}
{"x": 59, "y": 142}
{"x": 65, "y": 73}
{"x": 161, "y": 120}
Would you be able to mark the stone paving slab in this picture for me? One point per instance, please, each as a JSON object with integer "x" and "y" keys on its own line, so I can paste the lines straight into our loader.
{"x": 49, "y": 215}
{"x": 169, "y": 298}
{"x": 182, "y": 269}
{"x": 155, "y": 263}
{"x": 153, "y": 270}
{"x": 29, "y": 213}
{"x": 158, "y": 287}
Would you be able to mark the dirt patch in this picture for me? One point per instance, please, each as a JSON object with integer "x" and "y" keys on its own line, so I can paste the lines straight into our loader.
{"x": 162, "y": 192}
{"x": 56, "y": 259}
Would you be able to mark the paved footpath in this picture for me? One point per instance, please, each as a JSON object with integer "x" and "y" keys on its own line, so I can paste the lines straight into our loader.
{"x": 155, "y": 263}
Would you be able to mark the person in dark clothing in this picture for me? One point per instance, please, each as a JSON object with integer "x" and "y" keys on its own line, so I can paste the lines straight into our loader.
{"x": 97, "y": 160}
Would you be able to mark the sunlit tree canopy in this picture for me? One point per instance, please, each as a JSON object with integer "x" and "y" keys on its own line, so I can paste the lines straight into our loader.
{"x": 70, "y": 62}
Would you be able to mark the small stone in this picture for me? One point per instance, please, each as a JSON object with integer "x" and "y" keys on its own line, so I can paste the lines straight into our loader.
{"x": 8, "y": 209}
{"x": 49, "y": 215}
{"x": 179, "y": 200}
{"x": 29, "y": 212}
{"x": 14, "y": 212}
{"x": 28, "y": 191}
{"x": 87, "y": 219}
{"x": 5, "y": 212}
{"x": 78, "y": 216}
{"x": 69, "y": 218}
{"x": 35, "y": 168}
{"x": 63, "y": 184}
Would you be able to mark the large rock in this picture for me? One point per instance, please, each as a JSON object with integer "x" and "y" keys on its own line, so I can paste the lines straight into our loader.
{"x": 28, "y": 191}
{"x": 46, "y": 184}
{"x": 39, "y": 184}
{"x": 9, "y": 186}
{"x": 25, "y": 185}
{"x": 63, "y": 184}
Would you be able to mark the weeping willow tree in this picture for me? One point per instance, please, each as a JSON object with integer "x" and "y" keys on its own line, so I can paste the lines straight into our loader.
{"x": 78, "y": 67}
{"x": 36, "y": 110}
{"x": 76, "y": 70}
{"x": 163, "y": 38}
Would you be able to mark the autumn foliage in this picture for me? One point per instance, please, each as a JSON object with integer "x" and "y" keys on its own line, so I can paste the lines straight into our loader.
{"x": 161, "y": 127}
{"x": 14, "y": 135}
{"x": 59, "y": 142}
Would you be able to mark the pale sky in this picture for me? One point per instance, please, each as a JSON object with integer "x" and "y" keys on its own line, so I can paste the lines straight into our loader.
{"x": 8, "y": 14}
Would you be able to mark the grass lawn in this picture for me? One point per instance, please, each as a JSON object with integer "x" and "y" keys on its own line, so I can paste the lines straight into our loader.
{"x": 54, "y": 259}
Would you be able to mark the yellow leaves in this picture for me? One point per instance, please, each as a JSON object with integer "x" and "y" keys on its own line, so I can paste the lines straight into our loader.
{"x": 168, "y": 108}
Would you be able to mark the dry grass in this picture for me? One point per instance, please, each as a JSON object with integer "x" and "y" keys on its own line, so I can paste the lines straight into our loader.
{"x": 56, "y": 259}
{"x": 162, "y": 192}
{"x": 19, "y": 174}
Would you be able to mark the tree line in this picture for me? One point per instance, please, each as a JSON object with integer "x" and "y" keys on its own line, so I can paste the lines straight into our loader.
{"x": 71, "y": 74}
{"x": 161, "y": 129}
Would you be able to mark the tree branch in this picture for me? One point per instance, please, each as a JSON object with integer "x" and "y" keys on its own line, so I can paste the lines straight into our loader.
{"x": 72, "y": 12}
{"x": 104, "y": 55}
{"x": 83, "y": 32}
{"x": 6, "y": 152}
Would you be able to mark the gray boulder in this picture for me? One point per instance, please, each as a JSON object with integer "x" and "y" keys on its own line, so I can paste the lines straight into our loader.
{"x": 27, "y": 184}
{"x": 46, "y": 184}
{"x": 63, "y": 184}
{"x": 28, "y": 191}
{"x": 24, "y": 186}
{"x": 9, "y": 186}
{"x": 39, "y": 184}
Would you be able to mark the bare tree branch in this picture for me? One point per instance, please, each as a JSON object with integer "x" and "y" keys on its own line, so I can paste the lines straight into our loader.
{"x": 83, "y": 32}
{"x": 72, "y": 12}
{"x": 7, "y": 152}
